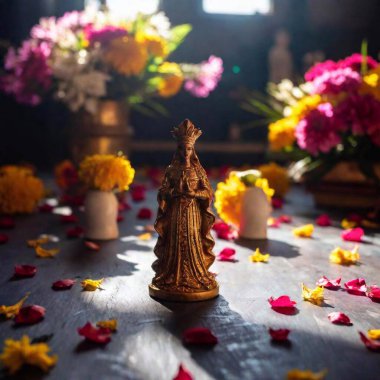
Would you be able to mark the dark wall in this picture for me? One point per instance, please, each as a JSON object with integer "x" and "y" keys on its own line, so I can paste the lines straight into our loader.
{"x": 335, "y": 26}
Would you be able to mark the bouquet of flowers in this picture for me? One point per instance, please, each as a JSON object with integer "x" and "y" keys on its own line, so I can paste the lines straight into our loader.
{"x": 333, "y": 116}
{"x": 83, "y": 57}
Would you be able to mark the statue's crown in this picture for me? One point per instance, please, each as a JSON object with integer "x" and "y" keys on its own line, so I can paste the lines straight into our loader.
{"x": 186, "y": 132}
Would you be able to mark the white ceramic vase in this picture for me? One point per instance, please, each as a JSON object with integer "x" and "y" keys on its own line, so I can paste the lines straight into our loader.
{"x": 100, "y": 209}
{"x": 254, "y": 215}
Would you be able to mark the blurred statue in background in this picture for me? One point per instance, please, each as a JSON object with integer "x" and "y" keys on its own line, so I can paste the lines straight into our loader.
{"x": 280, "y": 58}
{"x": 184, "y": 221}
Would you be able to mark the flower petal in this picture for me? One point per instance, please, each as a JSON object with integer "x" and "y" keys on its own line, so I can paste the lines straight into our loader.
{"x": 25, "y": 270}
{"x": 356, "y": 286}
{"x": 354, "y": 234}
{"x": 98, "y": 335}
{"x": 91, "y": 285}
{"x": 145, "y": 236}
{"x": 92, "y": 246}
{"x": 348, "y": 224}
{"x": 329, "y": 284}
{"x": 314, "y": 296}
{"x": 283, "y": 305}
{"x": 63, "y": 284}
{"x": 4, "y": 238}
{"x": 273, "y": 223}
{"x": 110, "y": 324}
{"x": 120, "y": 218}
{"x": 183, "y": 374}
{"x": 33, "y": 243}
{"x": 138, "y": 193}
{"x": 323, "y": 220}
{"x": 285, "y": 219}
{"x": 227, "y": 254}
{"x": 12, "y": 310}
{"x": 277, "y": 202}
{"x": 29, "y": 315}
{"x": 225, "y": 231}
{"x": 258, "y": 257}
{"x": 372, "y": 345}
{"x": 123, "y": 206}
{"x": 45, "y": 253}
{"x": 199, "y": 336}
{"x": 7, "y": 222}
{"x": 304, "y": 231}
{"x": 71, "y": 218}
{"x": 374, "y": 293}
{"x": 279, "y": 335}
{"x": 374, "y": 334}
{"x": 297, "y": 374}
{"x": 339, "y": 318}
{"x": 144, "y": 213}
{"x": 46, "y": 208}
{"x": 344, "y": 257}
{"x": 74, "y": 232}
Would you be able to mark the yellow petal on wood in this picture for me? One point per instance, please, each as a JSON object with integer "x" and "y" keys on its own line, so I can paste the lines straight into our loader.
{"x": 13, "y": 310}
{"x": 314, "y": 296}
{"x": 347, "y": 224}
{"x": 44, "y": 253}
{"x": 258, "y": 257}
{"x": 108, "y": 324}
{"x": 297, "y": 374}
{"x": 91, "y": 285}
{"x": 374, "y": 334}
{"x": 304, "y": 231}
{"x": 146, "y": 236}
{"x": 33, "y": 243}
{"x": 344, "y": 257}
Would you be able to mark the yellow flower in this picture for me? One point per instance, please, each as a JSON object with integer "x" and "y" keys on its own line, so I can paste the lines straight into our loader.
{"x": 371, "y": 83}
{"x": 297, "y": 374}
{"x": 16, "y": 353}
{"x": 106, "y": 172}
{"x": 155, "y": 44}
{"x": 347, "y": 224}
{"x": 13, "y": 310}
{"x": 145, "y": 236}
{"x": 344, "y": 257}
{"x": 33, "y": 243}
{"x": 91, "y": 285}
{"x": 229, "y": 196}
{"x": 281, "y": 133}
{"x": 108, "y": 324}
{"x": 258, "y": 257}
{"x": 314, "y": 296}
{"x": 304, "y": 106}
{"x": 20, "y": 190}
{"x": 127, "y": 55}
{"x": 304, "y": 231}
{"x": 42, "y": 252}
{"x": 277, "y": 177}
{"x": 374, "y": 334}
{"x": 171, "y": 81}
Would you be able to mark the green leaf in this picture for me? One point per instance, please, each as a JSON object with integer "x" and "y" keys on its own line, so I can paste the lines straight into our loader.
{"x": 364, "y": 51}
{"x": 178, "y": 35}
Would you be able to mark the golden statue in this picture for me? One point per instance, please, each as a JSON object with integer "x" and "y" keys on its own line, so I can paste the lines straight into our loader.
{"x": 184, "y": 221}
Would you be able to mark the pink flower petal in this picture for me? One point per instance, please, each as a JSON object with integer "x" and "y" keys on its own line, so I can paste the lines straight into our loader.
{"x": 356, "y": 287}
{"x": 23, "y": 271}
{"x": 144, "y": 213}
{"x": 29, "y": 315}
{"x": 183, "y": 374}
{"x": 284, "y": 219}
{"x": 372, "y": 345}
{"x": 282, "y": 301}
{"x": 279, "y": 335}
{"x": 4, "y": 238}
{"x": 63, "y": 284}
{"x": 329, "y": 284}
{"x": 227, "y": 254}
{"x": 339, "y": 318}
{"x": 7, "y": 222}
{"x": 323, "y": 220}
{"x": 353, "y": 234}
{"x": 374, "y": 293}
{"x": 277, "y": 202}
{"x": 199, "y": 336}
{"x": 91, "y": 245}
{"x": 66, "y": 219}
{"x": 95, "y": 334}
{"x": 274, "y": 222}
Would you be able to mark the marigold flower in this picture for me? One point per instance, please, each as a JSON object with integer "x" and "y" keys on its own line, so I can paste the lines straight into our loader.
{"x": 258, "y": 257}
{"x": 13, "y": 310}
{"x": 282, "y": 133}
{"x": 344, "y": 257}
{"x": 91, "y": 285}
{"x": 305, "y": 105}
{"x": 155, "y": 44}
{"x": 304, "y": 231}
{"x": 20, "y": 190}
{"x": 277, "y": 177}
{"x": 16, "y": 353}
{"x": 106, "y": 172}
{"x": 314, "y": 296}
{"x": 172, "y": 79}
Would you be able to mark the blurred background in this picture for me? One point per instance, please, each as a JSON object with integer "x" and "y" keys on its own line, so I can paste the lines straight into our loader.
{"x": 243, "y": 35}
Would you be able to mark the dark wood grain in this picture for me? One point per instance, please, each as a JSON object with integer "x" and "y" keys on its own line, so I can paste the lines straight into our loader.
{"x": 148, "y": 343}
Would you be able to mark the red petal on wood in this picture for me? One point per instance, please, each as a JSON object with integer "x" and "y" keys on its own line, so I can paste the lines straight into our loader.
{"x": 63, "y": 284}
{"x": 285, "y": 219}
{"x": 199, "y": 336}
{"x": 283, "y": 305}
{"x": 279, "y": 334}
{"x": 30, "y": 315}
{"x": 369, "y": 343}
{"x": 374, "y": 293}
{"x": 25, "y": 271}
{"x": 323, "y": 220}
{"x": 120, "y": 218}
{"x": 74, "y": 232}
{"x": 4, "y": 238}
{"x": 73, "y": 200}
{"x": 356, "y": 286}
{"x": 138, "y": 193}
{"x": 277, "y": 202}
{"x": 227, "y": 254}
{"x": 124, "y": 206}
{"x": 329, "y": 284}
{"x": 46, "y": 208}
{"x": 183, "y": 374}
{"x": 144, "y": 213}
{"x": 339, "y": 318}
{"x": 95, "y": 334}
{"x": 353, "y": 234}
{"x": 7, "y": 222}
{"x": 66, "y": 219}
{"x": 91, "y": 245}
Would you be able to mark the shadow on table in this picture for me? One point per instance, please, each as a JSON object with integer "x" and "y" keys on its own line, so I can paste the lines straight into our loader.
{"x": 273, "y": 247}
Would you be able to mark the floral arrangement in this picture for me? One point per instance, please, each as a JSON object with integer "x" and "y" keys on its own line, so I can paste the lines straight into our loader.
{"x": 334, "y": 115}
{"x": 229, "y": 194}
{"x": 20, "y": 190}
{"x": 83, "y": 57}
{"x": 106, "y": 172}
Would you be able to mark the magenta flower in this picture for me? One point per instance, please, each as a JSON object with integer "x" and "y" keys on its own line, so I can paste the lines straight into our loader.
{"x": 29, "y": 75}
{"x": 318, "y": 131}
{"x": 354, "y": 62}
{"x": 320, "y": 68}
{"x": 206, "y": 79}
{"x": 105, "y": 34}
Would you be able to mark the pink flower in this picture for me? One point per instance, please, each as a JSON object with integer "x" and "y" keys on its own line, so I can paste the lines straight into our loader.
{"x": 336, "y": 81}
{"x": 354, "y": 62}
{"x": 320, "y": 68}
{"x": 104, "y": 35}
{"x": 206, "y": 79}
{"x": 353, "y": 234}
{"x": 318, "y": 131}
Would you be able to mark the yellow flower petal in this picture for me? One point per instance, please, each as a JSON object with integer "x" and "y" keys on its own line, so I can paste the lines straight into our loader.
{"x": 304, "y": 231}
{"x": 344, "y": 257}
{"x": 42, "y": 252}
{"x": 108, "y": 324}
{"x": 145, "y": 236}
{"x": 91, "y": 285}
{"x": 314, "y": 296}
{"x": 16, "y": 353}
{"x": 11, "y": 311}
{"x": 297, "y": 374}
{"x": 347, "y": 224}
{"x": 258, "y": 257}
{"x": 33, "y": 243}
{"x": 374, "y": 334}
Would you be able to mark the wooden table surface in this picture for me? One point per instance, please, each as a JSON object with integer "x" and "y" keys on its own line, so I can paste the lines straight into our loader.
{"x": 148, "y": 342}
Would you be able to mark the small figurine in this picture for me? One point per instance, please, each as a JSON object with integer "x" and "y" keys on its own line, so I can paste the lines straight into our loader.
{"x": 184, "y": 221}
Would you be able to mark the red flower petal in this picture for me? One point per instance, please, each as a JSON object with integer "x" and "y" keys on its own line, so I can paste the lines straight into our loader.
{"x": 279, "y": 334}
{"x": 329, "y": 284}
{"x": 277, "y": 202}
{"x": 74, "y": 232}
{"x": 22, "y": 271}
{"x": 4, "y": 238}
{"x": 30, "y": 315}
{"x": 356, "y": 287}
{"x": 46, "y": 208}
{"x": 66, "y": 219}
{"x": 227, "y": 254}
{"x": 220, "y": 226}
{"x": 63, "y": 284}
{"x": 372, "y": 345}
{"x": 339, "y": 318}
{"x": 225, "y": 231}
{"x": 374, "y": 293}
{"x": 283, "y": 305}
{"x": 138, "y": 193}
{"x": 274, "y": 222}
{"x": 285, "y": 219}
{"x": 124, "y": 206}
{"x": 91, "y": 245}
{"x": 353, "y": 234}
{"x": 183, "y": 374}
{"x": 120, "y": 218}
{"x": 95, "y": 334}
{"x": 73, "y": 200}
{"x": 7, "y": 222}
{"x": 323, "y": 220}
{"x": 144, "y": 213}
{"x": 199, "y": 336}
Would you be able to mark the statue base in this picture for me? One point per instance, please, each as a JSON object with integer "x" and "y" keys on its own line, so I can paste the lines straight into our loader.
{"x": 182, "y": 297}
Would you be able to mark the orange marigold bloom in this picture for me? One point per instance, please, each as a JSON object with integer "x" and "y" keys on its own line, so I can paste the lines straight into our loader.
{"x": 281, "y": 133}
{"x": 277, "y": 177}
{"x": 155, "y": 45}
